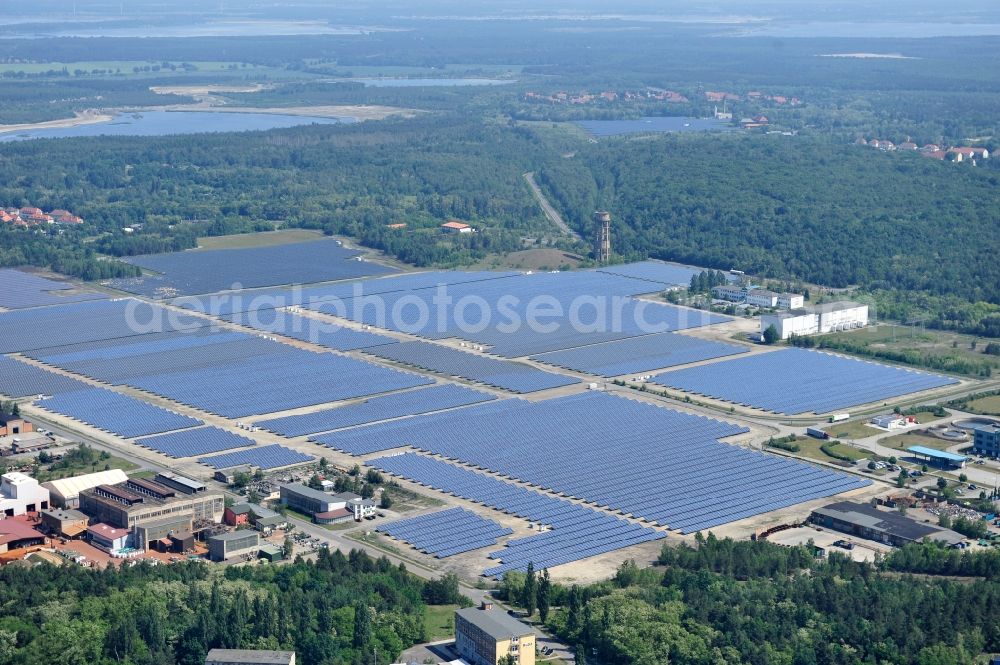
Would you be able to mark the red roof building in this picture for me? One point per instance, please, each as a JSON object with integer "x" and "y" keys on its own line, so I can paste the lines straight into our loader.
{"x": 16, "y": 533}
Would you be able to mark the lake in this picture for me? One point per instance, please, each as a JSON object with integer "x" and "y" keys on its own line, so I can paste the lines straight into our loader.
{"x": 164, "y": 123}
{"x": 393, "y": 82}
{"x": 658, "y": 125}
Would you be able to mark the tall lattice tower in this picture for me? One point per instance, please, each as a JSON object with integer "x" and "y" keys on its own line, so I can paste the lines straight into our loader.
{"x": 602, "y": 236}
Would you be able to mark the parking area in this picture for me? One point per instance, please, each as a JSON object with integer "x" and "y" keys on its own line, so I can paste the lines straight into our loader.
{"x": 858, "y": 549}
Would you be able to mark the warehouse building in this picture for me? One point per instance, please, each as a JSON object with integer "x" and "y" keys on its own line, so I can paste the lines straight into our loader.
{"x": 65, "y": 492}
{"x": 153, "y": 510}
{"x": 986, "y": 440}
{"x": 65, "y": 523}
{"x": 892, "y": 528}
{"x": 17, "y": 533}
{"x": 758, "y": 297}
{"x": 255, "y": 515}
{"x": 248, "y": 657}
{"x": 106, "y": 537}
{"x": 182, "y": 484}
{"x": 829, "y": 317}
{"x": 326, "y": 508}
{"x": 484, "y": 635}
{"x": 889, "y": 421}
{"x": 233, "y": 544}
{"x": 20, "y": 494}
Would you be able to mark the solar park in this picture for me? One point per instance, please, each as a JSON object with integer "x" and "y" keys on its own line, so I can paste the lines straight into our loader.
{"x": 386, "y": 407}
{"x": 434, "y": 533}
{"x": 19, "y": 290}
{"x": 592, "y": 472}
{"x": 793, "y": 381}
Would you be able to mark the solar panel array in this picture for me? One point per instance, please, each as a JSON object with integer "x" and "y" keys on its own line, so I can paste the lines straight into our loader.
{"x": 229, "y": 373}
{"x": 666, "y": 274}
{"x": 349, "y": 294}
{"x": 209, "y": 271}
{"x": 654, "y": 463}
{"x": 20, "y": 289}
{"x": 116, "y": 413}
{"x": 19, "y": 379}
{"x": 413, "y": 402}
{"x": 77, "y": 323}
{"x": 577, "y": 532}
{"x": 447, "y": 532}
{"x": 198, "y": 441}
{"x": 276, "y": 382}
{"x": 526, "y": 314}
{"x": 261, "y": 457}
{"x": 504, "y": 374}
{"x": 309, "y": 329}
{"x": 792, "y": 381}
{"x": 638, "y": 354}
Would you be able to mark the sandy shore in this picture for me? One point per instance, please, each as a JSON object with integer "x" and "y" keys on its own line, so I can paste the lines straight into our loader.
{"x": 90, "y": 117}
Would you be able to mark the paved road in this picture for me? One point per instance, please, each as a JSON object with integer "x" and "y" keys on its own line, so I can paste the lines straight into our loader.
{"x": 551, "y": 213}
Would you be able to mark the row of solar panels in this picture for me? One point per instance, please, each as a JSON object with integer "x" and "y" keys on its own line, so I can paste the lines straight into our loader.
{"x": 447, "y": 532}
{"x": 650, "y": 462}
{"x": 119, "y": 414}
{"x": 386, "y": 407}
{"x": 209, "y": 271}
{"x": 638, "y": 354}
{"x": 512, "y": 376}
{"x": 196, "y": 441}
{"x": 273, "y": 456}
{"x": 231, "y": 374}
{"x": 19, "y": 290}
{"x": 792, "y": 381}
{"x": 577, "y": 532}
{"x": 309, "y": 329}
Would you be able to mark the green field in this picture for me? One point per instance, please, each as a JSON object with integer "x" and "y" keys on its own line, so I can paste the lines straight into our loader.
{"x": 986, "y": 405}
{"x": 904, "y": 441}
{"x": 810, "y": 448}
{"x": 439, "y": 620}
{"x": 851, "y": 430}
{"x": 267, "y": 239}
{"x": 945, "y": 348}
{"x": 78, "y": 469}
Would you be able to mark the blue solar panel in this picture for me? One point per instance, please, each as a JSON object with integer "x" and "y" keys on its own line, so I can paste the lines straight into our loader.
{"x": 413, "y": 402}
{"x": 651, "y": 462}
{"x": 20, "y": 289}
{"x": 528, "y": 314}
{"x": 119, "y": 414}
{"x": 447, "y": 532}
{"x": 78, "y": 323}
{"x": 792, "y": 381}
{"x": 19, "y": 379}
{"x": 208, "y": 271}
{"x": 574, "y": 532}
{"x": 278, "y": 382}
{"x": 262, "y": 457}
{"x": 309, "y": 329}
{"x": 638, "y": 354}
{"x": 663, "y": 274}
{"x": 198, "y": 441}
{"x": 516, "y": 377}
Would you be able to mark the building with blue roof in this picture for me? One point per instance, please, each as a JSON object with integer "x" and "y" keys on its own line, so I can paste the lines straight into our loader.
{"x": 939, "y": 457}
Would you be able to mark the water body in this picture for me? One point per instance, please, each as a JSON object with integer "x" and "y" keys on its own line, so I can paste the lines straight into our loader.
{"x": 655, "y": 125}
{"x": 392, "y": 82}
{"x": 164, "y": 123}
{"x": 235, "y": 28}
{"x": 871, "y": 30}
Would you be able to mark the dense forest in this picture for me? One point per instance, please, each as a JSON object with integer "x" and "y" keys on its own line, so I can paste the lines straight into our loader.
{"x": 753, "y": 602}
{"x": 337, "y": 610}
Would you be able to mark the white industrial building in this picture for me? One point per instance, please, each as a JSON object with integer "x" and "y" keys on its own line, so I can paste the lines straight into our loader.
{"x": 829, "y": 317}
{"x": 889, "y": 421}
{"x": 65, "y": 492}
{"x": 758, "y": 297}
{"x": 20, "y": 494}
